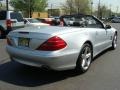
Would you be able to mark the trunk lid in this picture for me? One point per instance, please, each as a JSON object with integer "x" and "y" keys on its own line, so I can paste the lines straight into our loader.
{"x": 32, "y": 37}
{"x": 48, "y": 30}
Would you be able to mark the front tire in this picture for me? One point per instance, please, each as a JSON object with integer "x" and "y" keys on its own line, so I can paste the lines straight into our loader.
{"x": 84, "y": 59}
{"x": 114, "y": 42}
{"x": 1, "y": 33}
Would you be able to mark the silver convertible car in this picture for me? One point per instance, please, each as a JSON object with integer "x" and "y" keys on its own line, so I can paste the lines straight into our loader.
{"x": 71, "y": 45}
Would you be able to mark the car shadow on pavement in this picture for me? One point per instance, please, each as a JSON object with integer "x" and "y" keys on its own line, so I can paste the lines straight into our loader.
{"x": 21, "y": 75}
{"x": 102, "y": 53}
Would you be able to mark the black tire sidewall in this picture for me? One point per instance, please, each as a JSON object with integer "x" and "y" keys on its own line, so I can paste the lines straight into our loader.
{"x": 113, "y": 47}
{"x": 2, "y": 32}
{"x": 79, "y": 61}
{"x": 1, "y": 35}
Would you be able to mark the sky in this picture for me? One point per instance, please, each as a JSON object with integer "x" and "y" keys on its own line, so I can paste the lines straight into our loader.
{"x": 55, "y": 3}
{"x": 114, "y": 4}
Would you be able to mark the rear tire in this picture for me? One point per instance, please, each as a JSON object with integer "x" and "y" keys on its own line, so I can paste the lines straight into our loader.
{"x": 84, "y": 59}
{"x": 1, "y": 33}
{"x": 114, "y": 42}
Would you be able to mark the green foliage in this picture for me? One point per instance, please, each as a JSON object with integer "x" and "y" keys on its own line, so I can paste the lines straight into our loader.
{"x": 103, "y": 12}
{"x": 2, "y": 6}
{"x": 76, "y": 6}
{"x": 29, "y": 6}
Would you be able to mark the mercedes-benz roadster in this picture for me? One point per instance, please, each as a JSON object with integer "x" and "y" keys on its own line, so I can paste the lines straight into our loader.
{"x": 71, "y": 45}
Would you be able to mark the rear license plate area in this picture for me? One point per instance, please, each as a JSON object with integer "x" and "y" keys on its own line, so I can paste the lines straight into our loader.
{"x": 24, "y": 42}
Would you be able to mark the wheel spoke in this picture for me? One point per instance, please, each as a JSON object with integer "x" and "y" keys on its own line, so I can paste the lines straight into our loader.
{"x": 86, "y": 50}
{"x": 88, "y": 55}
{"x": 88, "y": 63}
{"x": 83, "y": 63}
{"x": 83, "y": 56}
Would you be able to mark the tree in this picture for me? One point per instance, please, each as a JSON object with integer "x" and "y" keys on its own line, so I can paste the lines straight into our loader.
{"x": 29, "y": 6}
{"x": 2, "y": 6}
{"x": 103, "y": 12}
{"x": 76, "y": 6}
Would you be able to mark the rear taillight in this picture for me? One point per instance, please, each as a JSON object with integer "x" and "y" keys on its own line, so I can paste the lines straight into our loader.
{"x": 9, "y": 42}
{"x": 8, "y": 23}
{"x": 53, "y": 44}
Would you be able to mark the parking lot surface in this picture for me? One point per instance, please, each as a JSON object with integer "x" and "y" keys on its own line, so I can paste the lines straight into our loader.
{"x": 104, "y": 74}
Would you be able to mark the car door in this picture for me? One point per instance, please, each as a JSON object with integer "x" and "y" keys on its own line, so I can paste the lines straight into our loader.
{"x": 100, "y": 33}
{"x": 109, "y": 35}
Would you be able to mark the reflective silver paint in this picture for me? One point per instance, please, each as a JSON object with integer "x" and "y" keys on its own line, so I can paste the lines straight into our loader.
{"x": 63, "y": 59}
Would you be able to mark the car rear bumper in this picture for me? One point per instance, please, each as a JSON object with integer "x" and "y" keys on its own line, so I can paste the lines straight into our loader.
{"x": 54, "y": 60}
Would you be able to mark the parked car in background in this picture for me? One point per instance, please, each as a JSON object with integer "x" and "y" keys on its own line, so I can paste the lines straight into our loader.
{"x": 116, "y": 20}
{"x": 56, "y": 21}
{"x": 41, "y": 20}
{"x": 34, "y": 22}
{"x": 10, "y": 20}
{"x": 48, "y": 21}
{"x": 72, "y": 46}
{"x": 53, "y": 21}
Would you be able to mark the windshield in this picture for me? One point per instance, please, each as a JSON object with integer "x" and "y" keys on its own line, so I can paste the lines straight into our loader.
{"x": 33, "y": 21}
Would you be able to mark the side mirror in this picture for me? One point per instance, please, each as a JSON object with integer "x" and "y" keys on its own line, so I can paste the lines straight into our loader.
{"x": 108, "y": 27}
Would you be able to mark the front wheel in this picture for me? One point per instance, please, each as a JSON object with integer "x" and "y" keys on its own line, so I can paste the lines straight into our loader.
{"x": 114, "y": 42}
{"x": 84, "y": 59}
{"x": 0, "y": 33}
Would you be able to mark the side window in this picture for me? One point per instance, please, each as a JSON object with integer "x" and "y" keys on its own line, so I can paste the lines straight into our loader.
{"x": 16, "y": 15}
{"x": 93, "y": 23}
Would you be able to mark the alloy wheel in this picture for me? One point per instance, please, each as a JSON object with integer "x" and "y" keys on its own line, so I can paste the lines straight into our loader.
{"x": 115, "y": 41}
{"x": 86, "y": 58}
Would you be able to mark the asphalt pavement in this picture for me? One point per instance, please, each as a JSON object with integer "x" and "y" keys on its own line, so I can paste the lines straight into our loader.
{"x": 104, "y": 74}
